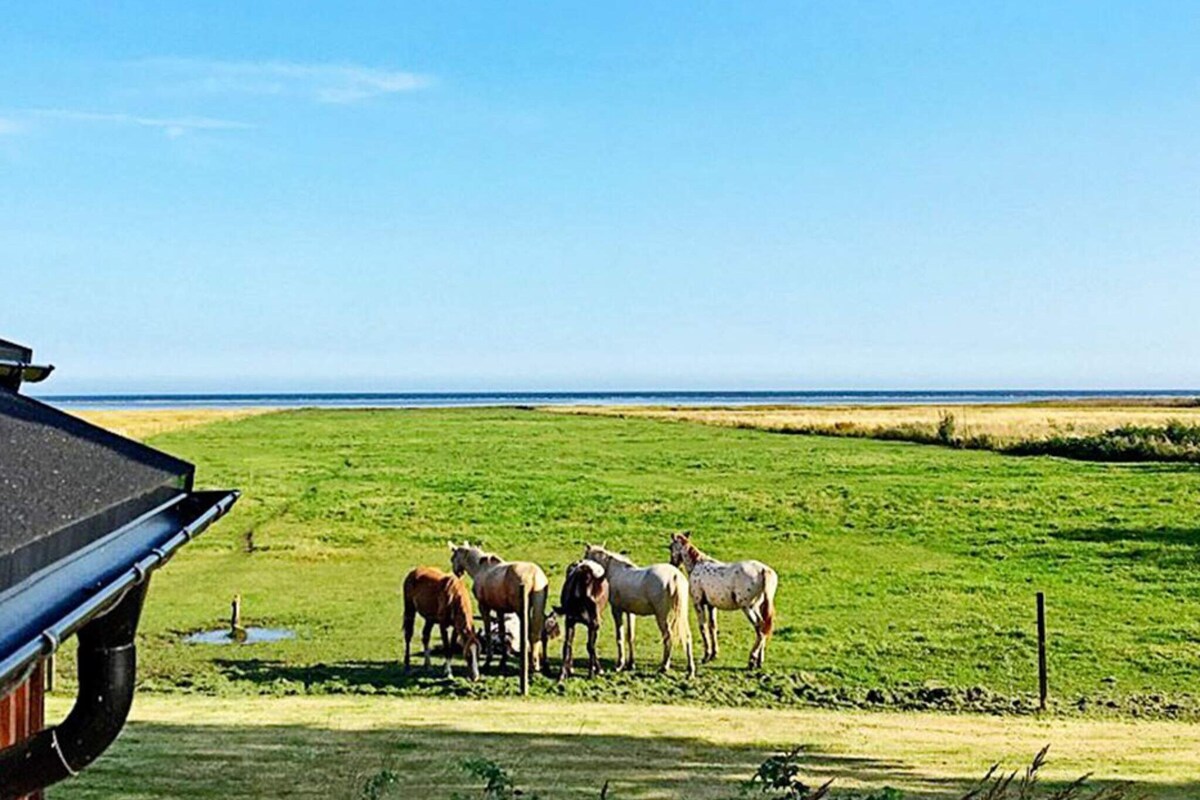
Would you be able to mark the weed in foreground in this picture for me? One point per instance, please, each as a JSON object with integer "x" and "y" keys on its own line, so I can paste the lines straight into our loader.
{"x": 779, "y": 778}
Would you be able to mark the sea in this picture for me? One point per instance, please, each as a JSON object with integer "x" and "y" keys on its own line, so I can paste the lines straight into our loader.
{"x": 93, "y": 402}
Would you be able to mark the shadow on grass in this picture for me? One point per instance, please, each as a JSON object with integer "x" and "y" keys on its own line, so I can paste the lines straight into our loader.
{"x": 360, "y": 677}
{"x": 712, "y": 687}
{"x": 1183, "y": 537}
{"x": 1160, "y": 547}
{"x": 210, "y": 761}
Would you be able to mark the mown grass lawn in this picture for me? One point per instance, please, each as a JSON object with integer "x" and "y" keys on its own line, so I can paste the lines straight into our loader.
{"x": 899, "y": 564}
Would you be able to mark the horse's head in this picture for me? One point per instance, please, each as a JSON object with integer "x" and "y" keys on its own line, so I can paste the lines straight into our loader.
{"x": 597, "y": 553}
{"x": 463, "y": 557}
{"x": 679, "y": 546}
{"x": 470, "y": 647}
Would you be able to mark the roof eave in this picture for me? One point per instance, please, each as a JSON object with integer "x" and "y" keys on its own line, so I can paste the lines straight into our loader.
{"x": 61, "y": 599}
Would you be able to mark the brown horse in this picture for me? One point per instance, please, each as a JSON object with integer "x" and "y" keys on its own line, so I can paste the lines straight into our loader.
{"x": 443, "y": 600}
{"x": 507, "y": 587}
{"x": 584, "y": 598}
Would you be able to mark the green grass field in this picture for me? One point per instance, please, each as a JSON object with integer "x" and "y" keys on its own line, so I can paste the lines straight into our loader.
{"x": 900, "y": 565}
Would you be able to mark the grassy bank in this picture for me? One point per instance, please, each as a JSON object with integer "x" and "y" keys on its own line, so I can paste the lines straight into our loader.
{"x": 187, "y": 747}
{"x": 1132, "y": 430}
{"x": 907, "y": 572}
{"x": 143, "y": 424}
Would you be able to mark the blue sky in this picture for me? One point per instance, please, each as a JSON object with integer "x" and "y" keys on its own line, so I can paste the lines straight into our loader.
{"x": 232, "y": 196}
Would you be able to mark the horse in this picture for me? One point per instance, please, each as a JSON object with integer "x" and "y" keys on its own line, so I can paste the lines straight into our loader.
{"x": 583, "y": 600}
{"x": 659, "y": 589}
{"x": 507, "y": 587}
{"x": 746, "y": 585}
{"x": 442, "y": 599}
{"x": 508, "y": 633}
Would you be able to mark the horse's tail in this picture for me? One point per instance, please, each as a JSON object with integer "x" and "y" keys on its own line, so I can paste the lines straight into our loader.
{"x": 677, "y": 615}
{"x": 536, "y": 603}
{"x": 410, "y": 610}
{"x": 770, "y": 584}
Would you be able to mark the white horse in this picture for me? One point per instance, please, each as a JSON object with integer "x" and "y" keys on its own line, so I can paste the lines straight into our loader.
{"x": 746, "y": 585}
{"x": 660, "y": 590}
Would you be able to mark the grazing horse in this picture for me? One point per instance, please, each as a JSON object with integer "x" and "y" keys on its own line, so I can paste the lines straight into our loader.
{"x": 746, "y": 585}
{"x": 443, "y": 600}
{"x": 584, "y": 597}
{"x": 659, "y": 589}
{"x": 507, "y": 587}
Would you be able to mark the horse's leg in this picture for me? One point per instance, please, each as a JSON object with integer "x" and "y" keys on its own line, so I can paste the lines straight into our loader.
{"x": 410, "y": 615}
{"x": 712, "y": 632}
{"x": 631, "y": 632}
{"x": 665, "y": 629}
{"x": 446, "y": 648}
{"x": 486, "y": 615}
{"x": 618, "y": 620}
{"x": 593, "y": 659}
{"x": 502, "y": 629}
{"x": 425, "y": 634}
{"x": 568, "y": 640}
{"x": 756, "y": 621}
{"x": 702, "y": 618}
{"x": 762, "y": 635}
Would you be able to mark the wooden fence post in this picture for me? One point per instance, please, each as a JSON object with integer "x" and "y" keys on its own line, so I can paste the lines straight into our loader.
{"x": 1041, "y": 624}
{"x": 524, "y": 632}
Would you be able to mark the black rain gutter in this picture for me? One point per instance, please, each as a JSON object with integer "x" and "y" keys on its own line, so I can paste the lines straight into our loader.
{"x": 12, "y": 373}
{"x": 106, "y": 623}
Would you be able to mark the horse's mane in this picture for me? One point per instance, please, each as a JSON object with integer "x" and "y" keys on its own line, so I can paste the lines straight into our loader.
{"x": 454, "y": 590}
{"x": 621, "y": 558}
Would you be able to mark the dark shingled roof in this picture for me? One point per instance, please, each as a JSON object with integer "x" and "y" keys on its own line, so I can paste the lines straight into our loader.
{"x": 65, "y": 483}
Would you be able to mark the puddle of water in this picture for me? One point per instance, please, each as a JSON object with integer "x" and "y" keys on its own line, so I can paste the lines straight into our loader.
{"x": 253, "y": 636}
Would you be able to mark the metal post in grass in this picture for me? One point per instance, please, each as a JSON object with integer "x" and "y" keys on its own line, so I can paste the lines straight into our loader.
{"x": 1041, "y": 623}
{"x": 51, "y": 672}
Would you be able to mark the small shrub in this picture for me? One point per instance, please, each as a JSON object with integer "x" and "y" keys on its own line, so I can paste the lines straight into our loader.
{"x": 778, "y": 777}
{"x": 1175, "y": 441}
{"x": 379, "y": 785}
{"x": 946, "y": 429}
{"x": 498, "y": 784}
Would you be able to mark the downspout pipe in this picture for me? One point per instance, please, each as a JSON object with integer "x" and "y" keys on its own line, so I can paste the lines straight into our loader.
{"x": 107, "y": 677}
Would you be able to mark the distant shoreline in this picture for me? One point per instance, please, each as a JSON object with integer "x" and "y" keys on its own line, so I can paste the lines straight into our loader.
{"x": 715, "y": 399}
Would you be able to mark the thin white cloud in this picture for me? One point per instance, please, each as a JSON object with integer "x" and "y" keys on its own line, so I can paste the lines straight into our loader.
{"x": 324, "y": 83}
{"x": 173, "y": 127}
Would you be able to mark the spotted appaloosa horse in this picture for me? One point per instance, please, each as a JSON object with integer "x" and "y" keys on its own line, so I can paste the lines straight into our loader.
{"x": 507, "y": 587}
{"x": 746, "y": 585}
{"x": 443, "y": 600}
{"x": 660, "y": 590}
{"x": 583, "y": 600}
